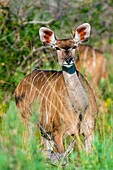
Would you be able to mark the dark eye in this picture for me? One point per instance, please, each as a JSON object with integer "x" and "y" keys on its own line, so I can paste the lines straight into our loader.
{"x": 74, "y": 47}
{"x": 57, "y": 48}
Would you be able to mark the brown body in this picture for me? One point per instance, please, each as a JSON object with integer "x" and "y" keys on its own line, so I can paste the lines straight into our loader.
{"x": 60, "y": 114}
{"x": 57, "y": 116}
{"x": 93, "y": 62}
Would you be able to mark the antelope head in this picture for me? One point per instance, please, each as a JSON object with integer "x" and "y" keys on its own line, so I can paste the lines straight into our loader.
{"x": 65, "y": 47}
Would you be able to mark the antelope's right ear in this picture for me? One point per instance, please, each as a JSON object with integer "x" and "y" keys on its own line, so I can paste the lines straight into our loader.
{"x": 47, "y": 36}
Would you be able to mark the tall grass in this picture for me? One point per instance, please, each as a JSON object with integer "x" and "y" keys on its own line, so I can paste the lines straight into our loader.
{"x": 15, "y": 155}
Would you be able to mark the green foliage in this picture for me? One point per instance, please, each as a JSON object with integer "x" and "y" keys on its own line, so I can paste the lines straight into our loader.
{"x": 101, "y": 157}
{"x": 13, "y": 152}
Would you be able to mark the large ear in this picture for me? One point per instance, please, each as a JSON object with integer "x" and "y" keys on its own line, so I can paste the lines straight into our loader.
{"x": 47, "y": 36}
{"x": 82, "y": 33}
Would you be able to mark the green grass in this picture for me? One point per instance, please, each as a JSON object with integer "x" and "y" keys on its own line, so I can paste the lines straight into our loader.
{"x": 13, "y": 153}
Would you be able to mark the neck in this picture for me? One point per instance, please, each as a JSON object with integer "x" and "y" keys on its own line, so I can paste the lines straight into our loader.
{"x": 69, "y": 70}
{"x": 75, "y": 89}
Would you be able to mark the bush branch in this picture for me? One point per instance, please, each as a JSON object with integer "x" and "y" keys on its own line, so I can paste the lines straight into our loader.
{"x": 40, "y": 22}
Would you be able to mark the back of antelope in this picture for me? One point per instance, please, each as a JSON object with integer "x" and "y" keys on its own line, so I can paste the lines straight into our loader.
{"x": 66, "y": 102}
{"x": 94, "y": 63}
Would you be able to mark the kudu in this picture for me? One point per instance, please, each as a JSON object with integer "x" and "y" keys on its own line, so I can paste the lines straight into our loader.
{"x": 93, "y": 62}
{"x": 66, "y": 102}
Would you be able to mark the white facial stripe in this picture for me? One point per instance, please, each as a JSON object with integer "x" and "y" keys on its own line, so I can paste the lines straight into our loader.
{"x": 68, "y": 65}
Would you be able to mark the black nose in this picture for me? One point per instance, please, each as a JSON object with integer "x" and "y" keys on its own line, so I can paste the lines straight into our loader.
{"x": 68, "y": 60}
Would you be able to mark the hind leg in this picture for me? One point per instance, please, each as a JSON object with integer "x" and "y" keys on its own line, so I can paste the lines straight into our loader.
{"x": 28, "y": 126}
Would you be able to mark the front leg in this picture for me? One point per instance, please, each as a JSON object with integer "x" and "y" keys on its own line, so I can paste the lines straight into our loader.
{"x": 88, "y": 139}
{"x": 87, "y": 128}
{"x": 58, "y": 141}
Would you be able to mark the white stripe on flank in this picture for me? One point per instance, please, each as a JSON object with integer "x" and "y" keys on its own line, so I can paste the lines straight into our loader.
{"x": 25, "y": 93}
{"x": 104, "y": 66}
{"x": 46, "y": 99}
{"x": 21, "y": 92}
{"x": 53, "y": 85}
{"x": 33, "y": 82}
{"x": 85, "y": 53}
{"x": 45, "y": 84}
{"x": 94, "y": 57}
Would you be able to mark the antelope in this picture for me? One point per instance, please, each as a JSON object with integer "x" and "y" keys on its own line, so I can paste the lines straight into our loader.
{"x": 65, "y": 101}
{"x": 94, "y": 63}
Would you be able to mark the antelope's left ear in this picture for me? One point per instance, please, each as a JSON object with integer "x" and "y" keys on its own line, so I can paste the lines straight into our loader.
{"x": 82, "y": 33}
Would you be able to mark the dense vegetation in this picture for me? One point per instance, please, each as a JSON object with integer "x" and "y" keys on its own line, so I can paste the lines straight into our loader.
{"x": 21, "y": 51}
